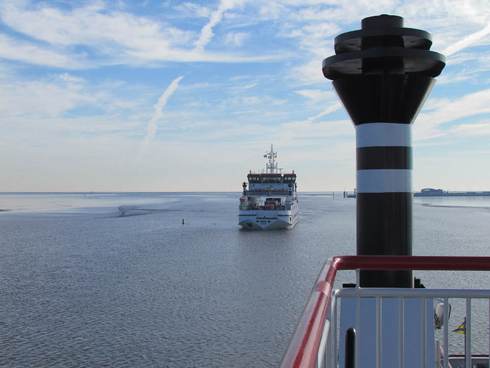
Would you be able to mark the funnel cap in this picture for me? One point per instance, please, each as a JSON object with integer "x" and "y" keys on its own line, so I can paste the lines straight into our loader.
{"x": 383, "y": 46}
{"x": 382, "y": 21}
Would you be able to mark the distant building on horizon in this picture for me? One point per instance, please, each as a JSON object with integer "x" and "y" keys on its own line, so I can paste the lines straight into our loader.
{"x": 431, "y": 192}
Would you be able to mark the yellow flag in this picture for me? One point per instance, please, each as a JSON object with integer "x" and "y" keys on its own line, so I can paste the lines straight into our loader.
{"x": 461, "y": 329}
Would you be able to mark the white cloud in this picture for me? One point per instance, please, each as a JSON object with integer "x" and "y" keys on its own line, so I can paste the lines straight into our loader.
{"x": 317, "y": 95}
{"x": 236, "y": 38}
{"x": 270, "y": 9}
{"x": 142, "y": 57}
{"x": 325, "y": 99}
{"x": 312, "y": 131}
{"x": 193, "y": 10}
{"x": 329, "y": 110}
{"x": 42, "y": 98}
{"x": 91, "y": 25}
{"x": 309, "y": 72}
{"x": 60, "y": 104}
{"x": 473, "y": 129}
{"x": 113, "y": 37}
{"x": 12, "y": 49}
{"x": 429, "y": 124}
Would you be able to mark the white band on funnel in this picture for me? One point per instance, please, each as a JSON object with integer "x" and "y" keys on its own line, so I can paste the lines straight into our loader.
{"x": 383, "y": 135}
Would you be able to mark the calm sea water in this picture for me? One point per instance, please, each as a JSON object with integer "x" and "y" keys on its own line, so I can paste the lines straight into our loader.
{"x": 117, "y": 280}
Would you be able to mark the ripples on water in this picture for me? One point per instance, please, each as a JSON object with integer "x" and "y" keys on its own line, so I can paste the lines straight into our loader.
{"x": 98, "y": 280}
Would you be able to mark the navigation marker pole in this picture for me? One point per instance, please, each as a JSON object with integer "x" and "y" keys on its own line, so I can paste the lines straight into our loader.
{"x": 382, "y": 73}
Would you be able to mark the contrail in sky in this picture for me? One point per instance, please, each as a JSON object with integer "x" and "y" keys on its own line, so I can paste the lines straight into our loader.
{"x": 159, "y": 106}
{"x": 467, "y": 41}
{"x": 216, "y": 17}
{"x": 327, "y": 111}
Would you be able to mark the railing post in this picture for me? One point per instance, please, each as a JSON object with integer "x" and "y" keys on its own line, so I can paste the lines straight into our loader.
{"x": 379, "y": 324}
{"x": 423, "y": 333}
{"x": 350, "y": 348}
{"x": 331, "y": 358}
{"x": 467, "y": 335}
{"x": 446, "y": 332}
{"x": 402, "y": 332}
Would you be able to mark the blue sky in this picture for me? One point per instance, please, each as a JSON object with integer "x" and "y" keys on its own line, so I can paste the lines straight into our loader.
{"x": 187, "y": 95}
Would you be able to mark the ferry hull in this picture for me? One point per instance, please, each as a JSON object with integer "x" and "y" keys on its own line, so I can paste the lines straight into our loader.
{"x": 267, "y": 220}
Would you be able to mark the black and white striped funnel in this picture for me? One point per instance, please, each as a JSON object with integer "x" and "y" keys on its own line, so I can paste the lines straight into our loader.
{"x": 382, "y": 73}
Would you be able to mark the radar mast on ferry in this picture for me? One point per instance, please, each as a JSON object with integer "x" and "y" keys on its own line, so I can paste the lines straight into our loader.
{"x": 271, "y": 165}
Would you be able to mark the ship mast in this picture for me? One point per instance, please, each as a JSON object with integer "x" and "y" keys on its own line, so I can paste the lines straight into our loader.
{"x": 271, "y": 166}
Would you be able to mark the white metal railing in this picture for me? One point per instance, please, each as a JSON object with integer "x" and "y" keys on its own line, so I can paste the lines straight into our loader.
{"x": 319, "y": 336}
{"x": 330, "y": 353}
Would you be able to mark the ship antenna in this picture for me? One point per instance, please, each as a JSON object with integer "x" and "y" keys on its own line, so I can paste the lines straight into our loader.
{"x": 271, "y": 166}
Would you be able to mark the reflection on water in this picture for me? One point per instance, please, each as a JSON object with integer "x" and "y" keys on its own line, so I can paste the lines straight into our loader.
{"x": 89, "y": 287}
{"x": 76, "y": 201}
{"x": 482, "y": 202}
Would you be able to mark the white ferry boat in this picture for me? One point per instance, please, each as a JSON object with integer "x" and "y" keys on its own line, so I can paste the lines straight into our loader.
{"x": 269, "y": 200}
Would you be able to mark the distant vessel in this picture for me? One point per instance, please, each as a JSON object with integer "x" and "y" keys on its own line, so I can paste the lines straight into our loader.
{"x": 350, "y": 194}
{"x": 431, "y": 192}
{"x": 271, "y": 201}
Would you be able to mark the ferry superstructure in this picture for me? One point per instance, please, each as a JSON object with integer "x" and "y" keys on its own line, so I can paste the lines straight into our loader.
{"x": 269, "y": 199}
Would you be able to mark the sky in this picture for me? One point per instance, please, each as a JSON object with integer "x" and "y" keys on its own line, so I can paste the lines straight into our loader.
{"x": 188, "y": 95}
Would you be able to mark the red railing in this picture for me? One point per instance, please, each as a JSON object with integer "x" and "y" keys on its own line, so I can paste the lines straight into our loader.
{"x": 303, "y": 348}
